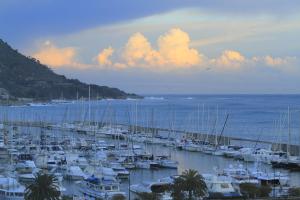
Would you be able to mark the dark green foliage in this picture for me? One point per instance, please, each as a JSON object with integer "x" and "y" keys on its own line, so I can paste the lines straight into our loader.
{"x": 119, "y": 197}
{"x": 44, "y": 187}
{"x": 190, "y": 183}
{"x": 294, "y": 192}
{"x": 65, "y": 197}
{"x": 148, "y": 196}
{"x": 264, "y": 191}
{"x": 251, "y": 190}
{"x": 177, "y": 190}
{"x": 25, "y": 77}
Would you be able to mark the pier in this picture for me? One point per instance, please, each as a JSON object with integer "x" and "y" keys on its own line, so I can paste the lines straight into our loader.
{"x": 219, "y": 140}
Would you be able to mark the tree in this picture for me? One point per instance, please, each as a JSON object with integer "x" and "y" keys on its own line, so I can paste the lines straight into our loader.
{"x": 264, "y": 191}
{"x": 190, "y": 182}
{"x": 177, "y": 189}
{"x": 251, "y": 190}
{"x": 44, "y": 187}
{"x": 65, "y": 197}
{"x": 294, "y": 192}
{"x": 148, "y": 196}
{"x": 119, "y": 197}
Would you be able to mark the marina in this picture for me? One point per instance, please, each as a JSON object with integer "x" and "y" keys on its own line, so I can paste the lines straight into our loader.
{"x": 104, "y": 159}
{"x": 150, "y": 100}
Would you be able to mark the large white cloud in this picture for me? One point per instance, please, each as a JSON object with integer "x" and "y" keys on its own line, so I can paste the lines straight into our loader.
{"x": 174, "y": 48}
{"x": 138, "y": 52}
{"x": 173, "y": 51}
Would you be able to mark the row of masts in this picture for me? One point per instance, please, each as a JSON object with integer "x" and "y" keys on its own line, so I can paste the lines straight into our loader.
{"x": 109, "y": 115}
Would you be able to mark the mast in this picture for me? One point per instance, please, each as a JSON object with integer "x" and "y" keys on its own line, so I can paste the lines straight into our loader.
{"x": 135, "y": 130}
{"x": 202, "y": 123}
{"x": 221, "y": 135}
{"x": 216, "y": 124}
{"x": 208, "y": 126}
{"x": 198, "y": 118}
{"x": 289, "y": 132}
{"x": 89, "y": 105}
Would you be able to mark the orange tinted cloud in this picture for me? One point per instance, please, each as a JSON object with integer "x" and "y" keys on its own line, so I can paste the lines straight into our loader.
{"x": 287, "y": 63}
{"x": 104, "y": 55}
{"x": 229, "y": 60}
{"x": 173, "y": 51}
{"x": 174, "y": 48}
{"x": 271, "y": 61}
{"x": 138, "y": 52}
{"x": 54, "y": 56}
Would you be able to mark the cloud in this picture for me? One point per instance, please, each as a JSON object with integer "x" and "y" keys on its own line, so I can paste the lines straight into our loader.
{"x": 174, "y": 48}
{"x": 139, "y": 53}
{"x": 119, "y": 65}
{"x": 56, "y": 57}
{"x": 277, "y": 61}
{"x": 229, "y": 60}
{"x": 285, "y": 64}
{"x": 104, "y": 55}
{"x": 173, "y": 51}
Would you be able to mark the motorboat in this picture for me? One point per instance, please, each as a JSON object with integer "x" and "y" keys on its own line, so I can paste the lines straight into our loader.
{"x": 121, "y": 171}
{"x": 74, "y": 173}
{"x": 149, "y": 187}
{"x": 27, "y": 166}
{"x": 190, "y": 146}
{"x": 147, "y": 164}
{"x": 100, "y": 172}
{"x": 220, "y": 187}
{"x": 100, "y": 188}
{"x": 238, "y": 174}
{"x": 272, "y": 179}
{"x": 165, "y": 162}
{"x": 11, "y": 189}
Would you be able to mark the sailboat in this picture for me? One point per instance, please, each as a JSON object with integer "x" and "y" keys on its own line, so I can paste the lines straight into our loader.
{"x": 100, "y": 182}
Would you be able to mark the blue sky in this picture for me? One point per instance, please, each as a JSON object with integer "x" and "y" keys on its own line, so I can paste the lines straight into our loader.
{"x": 191, "y": 46}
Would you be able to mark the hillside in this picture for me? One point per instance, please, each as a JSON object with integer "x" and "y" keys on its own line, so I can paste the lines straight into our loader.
{"x": 25, "y": 77}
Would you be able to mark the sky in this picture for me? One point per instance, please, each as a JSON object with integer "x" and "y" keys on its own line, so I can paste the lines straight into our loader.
{"x": 163, "y": 46}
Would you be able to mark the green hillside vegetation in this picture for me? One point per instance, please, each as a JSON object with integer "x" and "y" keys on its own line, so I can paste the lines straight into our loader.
{"x": 26, "y": 77}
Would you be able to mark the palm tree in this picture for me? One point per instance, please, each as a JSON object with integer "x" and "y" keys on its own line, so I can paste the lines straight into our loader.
{"x": 251, "y": 190}
{"x": 148, "y": 196}
{"x": 190, "y": 182}
{"x": 177, "y": 189}
{"x": 44, "y": 187}
{"x": 119, "y": 197}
